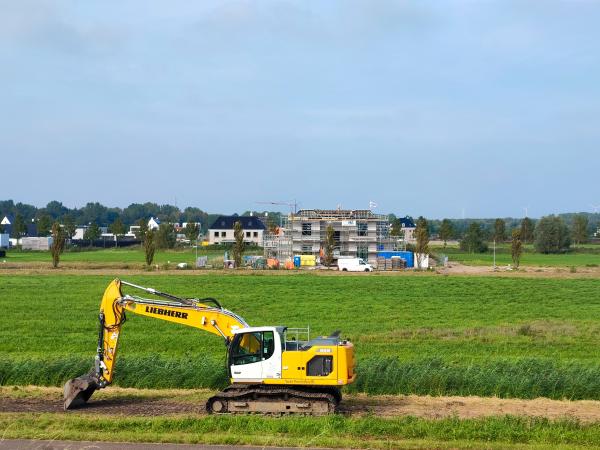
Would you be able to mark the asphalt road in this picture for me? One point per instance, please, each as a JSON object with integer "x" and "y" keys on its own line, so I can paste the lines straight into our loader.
{"x": 26, "y": 444}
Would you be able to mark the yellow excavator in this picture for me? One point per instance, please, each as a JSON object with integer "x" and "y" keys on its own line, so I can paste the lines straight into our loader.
{"x": 271, "y": 370}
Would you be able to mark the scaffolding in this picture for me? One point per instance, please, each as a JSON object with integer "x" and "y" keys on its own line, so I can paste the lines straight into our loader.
{"x": 278, "y": 244}
{"x": 357, "y": 233}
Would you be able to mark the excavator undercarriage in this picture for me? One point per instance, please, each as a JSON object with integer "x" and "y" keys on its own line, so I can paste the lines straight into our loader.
{"x": 273, "y": 399}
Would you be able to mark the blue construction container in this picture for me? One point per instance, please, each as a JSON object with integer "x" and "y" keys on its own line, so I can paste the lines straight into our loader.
{"x": 407, "y": 256}
{"x": 297, "y": 261}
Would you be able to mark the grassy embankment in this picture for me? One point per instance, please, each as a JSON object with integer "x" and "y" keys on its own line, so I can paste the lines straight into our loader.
{"x": 424, "y": 335}
{"x": 123, "y": 258}
{"x": 331, "y": 431}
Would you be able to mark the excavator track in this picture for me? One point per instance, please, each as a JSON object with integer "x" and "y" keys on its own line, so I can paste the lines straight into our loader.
{"x": 269, "y": 399}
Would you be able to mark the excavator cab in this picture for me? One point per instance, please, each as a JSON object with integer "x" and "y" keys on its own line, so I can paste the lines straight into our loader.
{"x": 254, "y": 354}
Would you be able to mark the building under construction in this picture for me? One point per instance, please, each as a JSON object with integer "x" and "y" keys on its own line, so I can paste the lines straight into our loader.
{"x": 357, "y": 233}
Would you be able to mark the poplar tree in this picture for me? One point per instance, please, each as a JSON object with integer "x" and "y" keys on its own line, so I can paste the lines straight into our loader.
{"x": 329, "y": 245}
{"x": 516, "y": 247}
{"x": 149, "y": 246}
{"x": 58, "y": 243}
{"x": 238, "y": 246}
{"x": 422, "y": 237}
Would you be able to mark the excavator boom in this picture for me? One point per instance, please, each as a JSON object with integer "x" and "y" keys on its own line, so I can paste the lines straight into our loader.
{"x": 191, "y": 312}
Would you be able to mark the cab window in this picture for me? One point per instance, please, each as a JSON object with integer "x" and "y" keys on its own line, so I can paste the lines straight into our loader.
{"x": 249, "y": 348}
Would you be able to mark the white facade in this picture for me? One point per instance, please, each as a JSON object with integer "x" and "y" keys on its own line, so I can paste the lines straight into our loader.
{"x": 132, "y": 230}
{"x": 409, "y": 234}
{"x": 79, "y": 232}
{"x": 153, "y": 223}
{"x": 216, "y": 237}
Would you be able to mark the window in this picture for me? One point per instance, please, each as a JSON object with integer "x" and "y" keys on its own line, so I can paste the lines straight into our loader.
{"x": 306, "y": 229}
{"x": 223, "y": 233}
{"x": 362, "y": 228}
{"x": 256, "y": 234}
{"x": 248, "y": 348}
{"x": 247, "y": 234}
{"x": 216, "y": 234}
{"x": 307, "y": 249}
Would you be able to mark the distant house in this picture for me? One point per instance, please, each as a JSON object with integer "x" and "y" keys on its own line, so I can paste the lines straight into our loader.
{"x": 7, "y": 220}
{"x": 7, "y": 224}
{"x": 153, "y": 223}
{"x": 408, "y": 226}
{"x": 79, "y": 232}
{"x": 133, "y": 229}
{"x": 221, "y": 231}
{"x": 81, "y": 229}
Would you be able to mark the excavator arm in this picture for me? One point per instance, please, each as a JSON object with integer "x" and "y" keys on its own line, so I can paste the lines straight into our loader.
{"x": 191, "y": 312}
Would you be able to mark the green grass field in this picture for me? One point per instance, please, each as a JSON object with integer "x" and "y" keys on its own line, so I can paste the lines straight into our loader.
{"x": 133, "y": 257}
{"x": 425, "y": 334}
{"x": 581, "y": 256}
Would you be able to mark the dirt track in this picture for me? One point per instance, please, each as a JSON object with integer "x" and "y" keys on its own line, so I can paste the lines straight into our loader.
{"x": 454, "y": 269}
{"x": 191, "y": 402}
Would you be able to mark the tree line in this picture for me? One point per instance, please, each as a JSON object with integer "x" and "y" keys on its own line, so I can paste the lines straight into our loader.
{"x": 459, "y": 227}
{"x": 94, "y": 212}
{"x": 550, "y": 234}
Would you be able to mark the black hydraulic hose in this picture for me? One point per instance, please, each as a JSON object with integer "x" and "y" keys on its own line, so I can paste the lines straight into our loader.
{"x": 211, "y": 300}
{"x": 100, "y": 349}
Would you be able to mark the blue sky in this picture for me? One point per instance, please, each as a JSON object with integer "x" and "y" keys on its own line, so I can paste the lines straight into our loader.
{"x": 429, "y": 108}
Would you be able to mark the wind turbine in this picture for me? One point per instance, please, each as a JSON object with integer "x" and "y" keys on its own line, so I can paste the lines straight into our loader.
{"x": 526, "y": 209}
{"x": 595, "y": 208}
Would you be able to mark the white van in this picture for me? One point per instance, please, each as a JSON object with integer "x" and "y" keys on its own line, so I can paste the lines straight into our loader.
{"x": 354, "y": 265}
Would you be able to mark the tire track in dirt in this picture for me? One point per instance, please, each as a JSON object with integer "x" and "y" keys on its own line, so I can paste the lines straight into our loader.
{"x": 140, "y": 402}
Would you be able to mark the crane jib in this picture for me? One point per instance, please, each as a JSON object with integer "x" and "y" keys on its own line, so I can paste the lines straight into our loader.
{"x": 166, "y": 312}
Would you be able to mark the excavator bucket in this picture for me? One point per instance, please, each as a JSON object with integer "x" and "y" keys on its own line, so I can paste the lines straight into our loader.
{"x": 78, "y": 391}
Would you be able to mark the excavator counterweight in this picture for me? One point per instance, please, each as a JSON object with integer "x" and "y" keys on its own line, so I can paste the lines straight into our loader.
{"x": 271, "y": 370}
